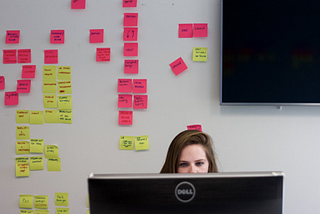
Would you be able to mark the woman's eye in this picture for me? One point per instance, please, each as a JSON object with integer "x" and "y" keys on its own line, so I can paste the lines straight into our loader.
{"x": 199, "y": 163}
{"x": 183, "y": 164}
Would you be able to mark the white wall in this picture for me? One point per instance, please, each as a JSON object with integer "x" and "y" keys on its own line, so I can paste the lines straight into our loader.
{"x": 246, "y": 138}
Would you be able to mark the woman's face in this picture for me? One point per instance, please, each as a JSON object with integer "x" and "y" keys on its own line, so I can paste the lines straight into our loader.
{"x": 193, "y": 159}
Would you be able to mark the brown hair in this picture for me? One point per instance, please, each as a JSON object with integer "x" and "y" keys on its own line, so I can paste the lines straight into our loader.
{"x": 183, "y": 139}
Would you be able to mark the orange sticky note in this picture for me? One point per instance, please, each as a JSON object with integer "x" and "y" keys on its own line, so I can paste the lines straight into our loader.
{"x": 185, "y": 31}
{"x": 103, "y": 54}
{"x": 24, "y": 56}
{"x": 139, "y": 86}
{"x": 9, "y": 56}
{"x": 2, "y": 82}
{"x": 57, "y": 37}
{"x": 125, "y": 117}
{"x": 124, "y": 85}
{"x": 130, "y": 34}
{"x": 28, "y": 71}
{"x": 130, "y": 49}
{"x": 129, "y": 3}
{"x": 130, "y": 19}
{"x": 131, "y": 66}
{"x": 50, "y": 56}
{"x": 178, "y": 66}
{"x": 96, "y": 36}
{"x": 78, "y": 4}
{"x": 11, "y": 98}
{"x": 140, "y": 102}
{"x": 195, "y": 127}
{"x": 23, "y": 86}
{"x": 200, "y": 30}
{"x": 124, "y": 101}
{"x": 12, "y": 36}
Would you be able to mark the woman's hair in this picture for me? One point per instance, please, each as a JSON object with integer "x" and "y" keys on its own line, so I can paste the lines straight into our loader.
{"x": 183, "y": 139}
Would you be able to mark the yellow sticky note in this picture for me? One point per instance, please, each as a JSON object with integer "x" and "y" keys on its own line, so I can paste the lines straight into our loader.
{"x": 54, "y": 164}
{"x": 51, "y": 151}
{"x": 22, "y": 147}
{"x": 50, "y": 101}
{"x": 65, "y": 116}
{"x": 41, "y": 201}
{"x": 61, "y": 199}
{"x": 36, "y": 117}
{"x": 36, "y": 163}
{"x": 51, "y": 116}
{"x": 49, "y": 86}
{"x": 22, "y": 132}
{"x": 42, "y": 212}
{"x": 64, "y": 87}
{"x": 64, "y": 72}
{"x": 22, "y": 168}
{"x": 199, "y": 54}
{"x": 87, "y": 200}
{"x": 26, "y": 211}
{"x": 36, "y": 145}
{"x": 49, "y": 72}
{"x": 22, "y": 116}
{"x": 88, "y": 212}
{"x": 26, "y": 201}
{"x": 141, "y": 142}
{"x": 126, "y": 143}
{"x": 65, "y": 102}
{"x": 60, "y": 210}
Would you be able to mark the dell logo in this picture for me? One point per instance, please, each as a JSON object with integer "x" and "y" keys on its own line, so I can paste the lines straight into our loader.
{"x": 185, "y": 191}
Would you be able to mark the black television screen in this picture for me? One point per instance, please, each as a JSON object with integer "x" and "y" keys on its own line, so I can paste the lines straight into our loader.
{"x": 270, "y": 52}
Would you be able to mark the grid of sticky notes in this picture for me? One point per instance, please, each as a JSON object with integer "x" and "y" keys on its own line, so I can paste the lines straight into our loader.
{"x": 131, "y": 143}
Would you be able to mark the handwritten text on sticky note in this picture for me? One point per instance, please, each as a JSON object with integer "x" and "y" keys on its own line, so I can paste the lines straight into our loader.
{"x": 185, "y": 30}
{"x": 11, "y": 98}
{"x": 199, "y": 54}
{"x": 103, "y": 55}
{"x": 126, "y": 143}
{"x": 50, "y": 56}
{"x": 130, "y": 49}
{"x": 28, "y": 71}
{"x": 130, "y": 19}
{"x": 9, "y": 56}
{"x": 2, "y": 83}
{"x": 125, "y": 117}
{"x": 24, "y": 56}
{"x": 23, "y": 86}
{"x": 140, "y": 102}
{"x": 12, "y": 36}
{"x": 57, "y": 37}
{"x": 139, "y": 86}
{"x": 96, "y": 36}
{"x": 130, "y": 34}
{"x": 131, "y": 66}
{"x": 178, "y": 66}
{"x": 124, "y": 101}
{"x": 124, "y": 85}
{"x": 200, "y": 30}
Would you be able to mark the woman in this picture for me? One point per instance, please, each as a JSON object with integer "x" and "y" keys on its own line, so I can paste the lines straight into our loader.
{"x": 190, "y": 152}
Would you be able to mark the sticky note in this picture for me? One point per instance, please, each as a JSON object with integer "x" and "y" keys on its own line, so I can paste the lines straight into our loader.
{"x": 26, "y": 211}
{"x": 57, "y": 37}
{"x": 103, "y": 54}
{"x": 65, "y": 102}
{"x": 178, "y": 66}
{"x": 36, "y": 163}
{"x": 199, "y": 54}
{"x": 185, "y": 30}
{"x": 51, "y": 151}
{"x": 60, "y": 210}
{"x": 9, "y": 56}
{"x": 54, "y": 164}
{"x": 50, "y": 56}
{"x": 124, "y": 85}
{"x": 36, "y": 117}
{"x": 22, "y": 147}
{"x": 61, "y": 199}
{"x": 130, "y": 49}
{"x": 124, "y": 101}
{"x": 126, "y": 143}
{"x": 41, "y": 201}
{"x": 49, "y": 86}
{"x": 28, "y": 71}
{"x": 24, "y": 56}
{"x": 88, "y": 200}
{"x": 130, "y": 34}
{"x": 2, "y": 82}
{"x": 78, "y": 4}
{"x": 23, "y": 132}
{"x": 65, "y": 116}
{"x": 125, "y": 117}
{"x": 130, "y": 19}
{"x": 200, "y": 30}
{"x": 140, "y": 102}
{"x": 64, "y": 72}
{"x": 50, "y": 101}
{"x": 11, "y": 98}
{"x": 141, "y": 142}
{"x": 64, "y": 87}
{"x": 51, "y": 116}
{"x": 23, "y": 170}
{"x": 12, "y": 36}
{"x": 129, "y": 3}
{"x": 36, "y": 145}
{"x": 131, "y": 66}
{"x": 139, "y": 86}
{"x": 26, "y": 201}
{"x": 96, "y": 35}
{"x": 23, "y": 86}
{"x": 49, "y": 72}
{"x": 22, "y": 116}
{"x": 195, "y": 127}
{"x": 41, "y": 211}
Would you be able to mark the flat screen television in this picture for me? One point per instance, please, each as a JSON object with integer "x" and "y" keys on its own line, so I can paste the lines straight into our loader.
{"x": 270, "y": 52}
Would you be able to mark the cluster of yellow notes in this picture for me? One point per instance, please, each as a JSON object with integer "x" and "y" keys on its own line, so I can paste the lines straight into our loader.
{"x": 129, "y": 142}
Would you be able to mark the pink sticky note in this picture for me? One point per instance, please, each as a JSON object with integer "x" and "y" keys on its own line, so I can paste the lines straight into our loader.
{"x": 23, "y": 86}
{"x": 96, "y": 35}
{"x": 11, "y": 98}
{"x": 129, "y": 3}
{"x": 103, "y": 54}
{"x": 57, "y": 37}
{"x": 139, "y": 86}
{"x": 24, "y": 56}
{"x": 200, "y": 30}
{"x": 130, "y": 34}
{"x": 195, "y": 127}
{"x": 2, "y": 82}
{"x": 185, "y": 31}
{"x": 131, "y": 66}
{"x": 9, "y": 56}
{"x": 124, "y": 85}
{"x": 178, "y": 66}
{"x": 140, "y": 102}
{"x": 124, "y": 101}
{"x": 12, "y": 36}
{"x": 78, "y": 4}
{"x": 130, "y": 19}
{"x": 125, "y": 117}
{"x": 130, "y": 49}
{"x": 50, "y": 56}
{"x": 28, "y": 71}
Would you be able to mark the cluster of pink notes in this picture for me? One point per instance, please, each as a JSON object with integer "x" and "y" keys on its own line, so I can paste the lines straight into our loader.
{"x": 195, "y": 127}
{"x": 2, "y": 82}
{"x": 103, "y": 54}
{"x": 138, "y": 86}
{"x": 50, "y": 56}
{"x": 125, "y": 117}
{"x": 11, "y": 98}
{"x": 130, "y": 19}
{"x": 178, "y": 66}
{"x": 129, "y": 3}
{"x": 12, "y": 36}
{"x": 130, "y": 49}
{"x": 10, "y": 56}
{"x": 193, "y": 30}
{"x": 57, "y": 37}
{"x": 130, "y": 34}
{"x": 28, "y": 71}
{"x": 96, "y": 36}
{"x": 78, "y": 4}
{"x": 23, "y": 86}
{"x": 131, "y": 66}
{"x": 139, "y": 101}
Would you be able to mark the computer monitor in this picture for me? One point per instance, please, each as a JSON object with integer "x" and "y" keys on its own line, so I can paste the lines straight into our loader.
{"x": 245, "y": 192}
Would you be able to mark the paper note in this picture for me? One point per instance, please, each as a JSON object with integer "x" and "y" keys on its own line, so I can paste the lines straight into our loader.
{"x": 78, "y": 4}
{"x": 36, "y": 117}
{"x": 2, "y": 82}
{"x": 96, "y": 36}
{"x": 54, "y": 164}
{"x": 12, "y": 36}
{"x": 103, "y": 54}
{"x": 11, "y": 98}
{"x": 36, "y": 145}
{"x": 23, "y": 132}
{"x": 61, "y": 199}
{"x": 139, "y": 86}
{"x": 57, "y": 37}
{"x": 50, "y": 101}
{"x": 130, "y": 19}
{"x": 195, "y": 127}
{"x": 125, "y": 117}
{"x": 64, "y": 87}
{"x": 130, "y": 34}
{"x": 51, "y": 151}
{"x": 26, "y": 201}
{"x": 141, "y": 142}
{"x": 49, "y": 86}
{"x": 185, "y": 31}
{"x": 65, "y": 116}
{"x": 22, "y": 147}
{"x": 27, "y": 212}
{"x": 22, "y": 116}
{"x": 51, "y": 116}
{"x": 130, "y": 49}
{"x": 50, "y": 56}
{"x": 131, "y": 66}
{"x": 64, "y": 102}
{"x": 60, "y": 210}
{"x": 126, "y": 143}
{"x": 140, "y": 102}
{"x": 178, "y": 66}
{"x": 41, "y": 201}
{"x": 64, "y": 72}
{"x": 129, "y": 3}
{"x": 200, "y": 30}
{"x": 124, "y": 101}
{"x": 28, "y": 71}
{"x": 22, "y": 169}
{"x": 49, "y": 72}
{"x": 36, "y": 163}
{"x": 9, "y": 56}
{"x": 88, "y": 200}
{"x": 41, "y": 211}
{"x": 23, "y": 86}
{"x": 124, "y": 85}
{"x": 199, "y": 54}
{"x": 24, "y": 56}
